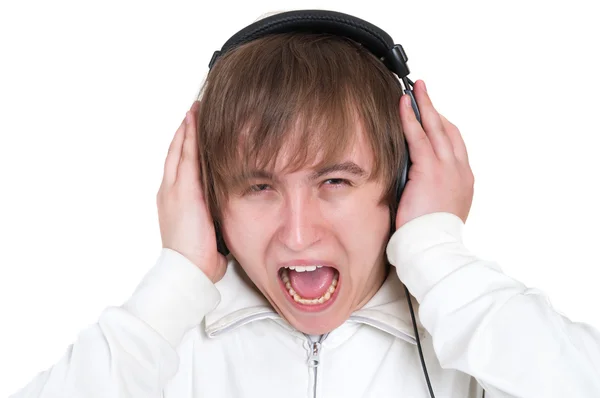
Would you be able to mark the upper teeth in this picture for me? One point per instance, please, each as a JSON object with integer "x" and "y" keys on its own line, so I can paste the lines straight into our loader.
{"x": 302, "y": 268}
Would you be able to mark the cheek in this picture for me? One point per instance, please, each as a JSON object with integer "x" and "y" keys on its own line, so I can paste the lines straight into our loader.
{"x": 363, "y": 228}
{"x": 247, "y": 238}
{"x": 245, "y": 230}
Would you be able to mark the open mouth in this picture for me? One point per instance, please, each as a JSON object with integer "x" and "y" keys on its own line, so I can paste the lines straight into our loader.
{"x": 310, "y": 287}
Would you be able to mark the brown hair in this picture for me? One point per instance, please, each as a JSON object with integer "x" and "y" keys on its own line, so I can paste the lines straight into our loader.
{"x": 310, "y": 91}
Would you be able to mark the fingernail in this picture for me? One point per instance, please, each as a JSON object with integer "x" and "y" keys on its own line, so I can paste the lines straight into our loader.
{"x": 424, "y": 86}
{"x": 408, "y": 105}
{"x": 187, "y": 117}
{"x": 407, "y": 101}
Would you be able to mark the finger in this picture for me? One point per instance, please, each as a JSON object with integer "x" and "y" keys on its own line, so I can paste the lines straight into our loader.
{"x": 418, "y": 143}
{"x": 173, "y": 156}
{"x": 432, "y": 123}
{"x": 189, "y": 165}
{"x": 458, "y": 144}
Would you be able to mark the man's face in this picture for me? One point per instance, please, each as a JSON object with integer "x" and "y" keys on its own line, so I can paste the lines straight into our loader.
{"x": 330, "y": 223}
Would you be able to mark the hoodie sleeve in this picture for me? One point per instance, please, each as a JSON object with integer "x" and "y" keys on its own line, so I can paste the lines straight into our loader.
{"x": 488, "y": 325}
{"x": 131, "y": 350}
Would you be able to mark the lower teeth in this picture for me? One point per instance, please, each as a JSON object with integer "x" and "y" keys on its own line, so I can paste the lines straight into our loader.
{"x": 326, "y": 296}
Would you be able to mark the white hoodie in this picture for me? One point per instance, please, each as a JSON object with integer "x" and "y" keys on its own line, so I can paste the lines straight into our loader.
{"x": 181, "y": 336}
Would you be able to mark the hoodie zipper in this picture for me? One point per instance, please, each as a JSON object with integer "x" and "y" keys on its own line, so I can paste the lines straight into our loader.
{"x": 314, "y": 358}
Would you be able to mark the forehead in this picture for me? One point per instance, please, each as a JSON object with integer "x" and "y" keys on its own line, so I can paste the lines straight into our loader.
{"x": 353, "y": 147}
{"x": 310, "y": 142}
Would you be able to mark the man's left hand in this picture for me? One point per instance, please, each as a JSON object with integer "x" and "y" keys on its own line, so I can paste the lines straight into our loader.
{"x": 440, "y": 177}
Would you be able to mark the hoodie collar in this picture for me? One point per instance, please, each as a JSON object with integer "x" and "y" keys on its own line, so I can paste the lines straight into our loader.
{"x": 242, "y": 303}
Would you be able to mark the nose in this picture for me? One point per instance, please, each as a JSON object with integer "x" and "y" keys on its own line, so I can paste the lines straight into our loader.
{"x": 301, "y": 222}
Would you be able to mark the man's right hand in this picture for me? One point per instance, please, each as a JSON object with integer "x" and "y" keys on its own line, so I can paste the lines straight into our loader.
{"x": 186, "y": 225}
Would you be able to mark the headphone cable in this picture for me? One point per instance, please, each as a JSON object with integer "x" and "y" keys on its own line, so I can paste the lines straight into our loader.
{"x": 414, "y": 322}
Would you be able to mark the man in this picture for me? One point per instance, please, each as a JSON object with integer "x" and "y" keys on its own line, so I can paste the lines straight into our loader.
{"x": 290, "y": 160}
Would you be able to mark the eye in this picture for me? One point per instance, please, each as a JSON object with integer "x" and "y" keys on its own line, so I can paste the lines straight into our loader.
{"x": 337, "y": 182}
{"x": 258, "y": 188}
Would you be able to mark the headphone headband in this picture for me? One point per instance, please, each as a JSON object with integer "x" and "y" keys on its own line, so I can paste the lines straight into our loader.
{"x": 368, "y": 35}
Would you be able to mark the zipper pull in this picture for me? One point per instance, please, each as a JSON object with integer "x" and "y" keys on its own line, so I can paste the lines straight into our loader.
{"x": 313, "y": 360}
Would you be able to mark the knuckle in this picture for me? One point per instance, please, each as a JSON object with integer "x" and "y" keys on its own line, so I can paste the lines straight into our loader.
{"x": 469, "y": 178}
{"x": 452, "y": 126}
{"x": 166, "y": 194}
{"x": 439, "y": 172}
{"x": 160, "y": 196}
{"x": 448, "y": 122}
{"x": 420, "y": 139}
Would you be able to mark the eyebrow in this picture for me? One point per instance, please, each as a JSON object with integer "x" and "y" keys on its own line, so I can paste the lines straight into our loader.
{"x": 346, "y": 167}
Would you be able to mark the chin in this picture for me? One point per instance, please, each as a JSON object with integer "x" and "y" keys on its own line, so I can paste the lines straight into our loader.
{"x": 316, "y": 325}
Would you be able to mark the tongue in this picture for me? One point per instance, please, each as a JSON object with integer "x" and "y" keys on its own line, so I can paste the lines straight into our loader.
{"x": 311, "y": 284}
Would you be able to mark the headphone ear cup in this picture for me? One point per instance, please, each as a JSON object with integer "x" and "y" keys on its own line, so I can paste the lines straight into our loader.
{"x": 221, "y": 246}
{"x": 402, "y": 177}
{"x": 400, "y": 185}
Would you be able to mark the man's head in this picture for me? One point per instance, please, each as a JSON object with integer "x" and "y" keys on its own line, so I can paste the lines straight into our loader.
{"x": 300, "y": 145}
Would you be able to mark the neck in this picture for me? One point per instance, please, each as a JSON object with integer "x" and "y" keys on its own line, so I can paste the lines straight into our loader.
{"x": 376, "y": 280}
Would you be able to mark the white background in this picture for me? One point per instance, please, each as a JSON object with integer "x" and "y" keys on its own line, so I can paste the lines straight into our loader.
{"x": 92, "y": 92}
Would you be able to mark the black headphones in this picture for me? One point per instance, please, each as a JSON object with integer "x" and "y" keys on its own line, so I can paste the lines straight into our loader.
{"x": 370, "y": 37}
